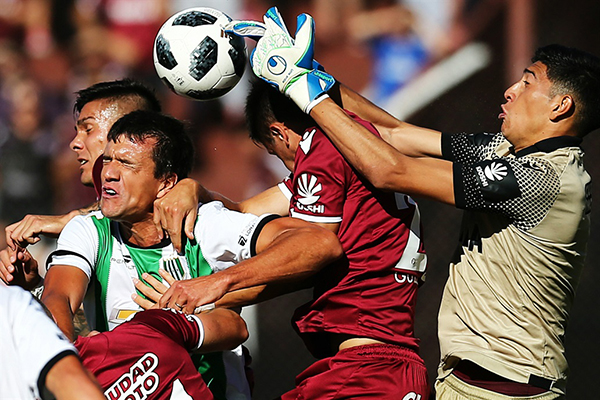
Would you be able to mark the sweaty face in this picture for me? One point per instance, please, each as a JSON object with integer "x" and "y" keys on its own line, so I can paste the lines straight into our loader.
{"x": 92, "y": 126}
{"x": 527, "y": 108}
{"x": 129, "y": 187}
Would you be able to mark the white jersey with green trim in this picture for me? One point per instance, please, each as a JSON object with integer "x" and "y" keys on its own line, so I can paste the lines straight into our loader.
{"x": 93, "y": 244}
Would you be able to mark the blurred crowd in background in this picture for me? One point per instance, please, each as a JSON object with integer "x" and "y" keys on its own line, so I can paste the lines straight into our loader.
{"x": 49, "y": 49}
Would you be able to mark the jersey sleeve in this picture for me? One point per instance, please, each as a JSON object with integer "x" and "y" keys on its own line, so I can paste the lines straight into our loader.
{"x": 286, "y": 187}
{"x": 77, "y": 246}
{"x": 227, "y": 237}
{"x": 39, "y": 343}
{"x": 185, "y": 330}
{"x": 322, "y": 178}
{"x": 470, "y": 148}
{"x": 523, "y": 188}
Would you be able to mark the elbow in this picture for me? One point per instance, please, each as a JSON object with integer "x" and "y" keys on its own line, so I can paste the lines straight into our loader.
{"x": 332, "y": 248}
{"x": 388, "y": 176}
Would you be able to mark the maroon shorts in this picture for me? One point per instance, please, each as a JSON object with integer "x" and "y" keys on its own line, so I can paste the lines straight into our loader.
{"x": 365, "y": 372}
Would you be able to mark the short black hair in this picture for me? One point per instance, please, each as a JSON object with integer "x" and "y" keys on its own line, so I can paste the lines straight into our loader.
{"x": 265, "y": 105}
{"x": 577, "y": 73}
{"x": 116, "y": 90}
{"x": 173, "y": 152}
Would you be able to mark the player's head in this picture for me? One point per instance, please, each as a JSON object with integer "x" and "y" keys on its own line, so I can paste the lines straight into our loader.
{"x": 146, "y": 154}
{"x": 558, "y": 94}
{"x": 576, "y": 73}
{"x": 96, "y": 109}
{"x": 274, "y": 121}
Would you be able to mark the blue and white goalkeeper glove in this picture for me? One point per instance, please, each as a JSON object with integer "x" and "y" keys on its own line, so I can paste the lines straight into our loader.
{"x": 284, "y": 62}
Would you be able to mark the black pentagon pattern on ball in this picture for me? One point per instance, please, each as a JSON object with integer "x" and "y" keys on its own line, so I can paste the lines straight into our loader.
{"x": 207, "y": 94}
{"x": 203, "y": 58}
{"x": 237, "y": 54}
{"x": 194, "y": 18}
{"x": 163, "y": 51}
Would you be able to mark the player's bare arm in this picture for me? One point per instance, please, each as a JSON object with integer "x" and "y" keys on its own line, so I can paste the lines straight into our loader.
{"x": 69, "y": 380}
{"x": 153, "y": 289}
{"x": 19, "y": 268}
{"x": 64, "y": 289}
{"x": 28, "y": 230}
{"x": 384, "y": 166}
{"x": 223, "y": 330}
{"x": 288, "y": 250}
{"x": 409, "y": 139}
{"x": 178, "y": 209}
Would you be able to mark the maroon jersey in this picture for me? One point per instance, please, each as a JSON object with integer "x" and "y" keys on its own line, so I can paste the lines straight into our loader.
{"x": 147, "y": 357}
{"x": 374, "y": 294}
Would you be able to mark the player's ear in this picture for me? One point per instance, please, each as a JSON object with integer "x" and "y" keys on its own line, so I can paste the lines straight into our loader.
{"x": 563, "y": 107}
{"x": 166, "y": 185}
{"x": 279, "y": 132}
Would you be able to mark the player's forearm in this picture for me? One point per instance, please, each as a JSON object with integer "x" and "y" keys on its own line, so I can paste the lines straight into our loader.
{"x": 371, "y": 156}
{"x": 410, "y": 140}
{"x": 60, "y": 308}
{"x": 223, "y": 330}
{"x": 68, "y": 379}
{"x": 365, "y": 109}
{"x": 258, "y": 294}
{"x": 293, "y": 256}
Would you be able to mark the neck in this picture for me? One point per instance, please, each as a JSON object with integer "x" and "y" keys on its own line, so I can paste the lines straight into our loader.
{"x": 142, "y": 233}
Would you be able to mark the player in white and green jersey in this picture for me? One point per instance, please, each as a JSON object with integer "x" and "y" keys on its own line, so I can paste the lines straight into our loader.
{"x": 100, "y": 255}
{"x": 94, "y": 244}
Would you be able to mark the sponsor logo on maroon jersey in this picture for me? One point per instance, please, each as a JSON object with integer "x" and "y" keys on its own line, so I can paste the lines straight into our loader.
{"x": 140, "y": 382}
{"x": 308, "y": 187}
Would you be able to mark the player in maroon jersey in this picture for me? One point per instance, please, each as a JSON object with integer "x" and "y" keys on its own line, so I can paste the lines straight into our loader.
{"x": 361, "y": 320}
{"x": 147, "y": 357}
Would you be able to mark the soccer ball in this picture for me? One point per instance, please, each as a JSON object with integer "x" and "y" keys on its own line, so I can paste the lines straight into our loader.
{"x": 195, "y": 58}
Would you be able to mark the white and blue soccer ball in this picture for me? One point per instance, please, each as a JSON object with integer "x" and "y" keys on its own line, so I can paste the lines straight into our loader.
{"x": 195, "y": 58}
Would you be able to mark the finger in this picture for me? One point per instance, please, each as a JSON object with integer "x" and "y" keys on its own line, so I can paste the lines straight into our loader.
{"x": 150, "y": 293}
{"x": 8, "y": 234}
{"x": 142, "y": 302}
{"x": 156, "y": 219}
{"x": 166, "y": 298}
{"x": 275, "y": 25}
{"x": 166, "y": 276}
{"x": 5, "y": 264}
{"x": 305, "y": 40}
{"x": 189, "y": 308}
{"x": 190, "y": 222}
{"x": 155, "y": 283}
{"x": 176, "y": 239}
{"x": 251, "y": 29}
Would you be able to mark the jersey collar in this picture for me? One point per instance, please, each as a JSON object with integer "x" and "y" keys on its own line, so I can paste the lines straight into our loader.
{"x": 550, "y": 144}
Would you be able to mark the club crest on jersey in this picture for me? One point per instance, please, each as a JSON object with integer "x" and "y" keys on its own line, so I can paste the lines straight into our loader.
{"x": 137, "y": 384}
{"x": 308, "y": 187}
{"x": 175, "y": 265}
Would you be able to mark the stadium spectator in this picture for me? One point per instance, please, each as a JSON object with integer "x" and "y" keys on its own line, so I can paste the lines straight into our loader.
{"x": 37, "y": 360}
{"x": 506, "y": 304}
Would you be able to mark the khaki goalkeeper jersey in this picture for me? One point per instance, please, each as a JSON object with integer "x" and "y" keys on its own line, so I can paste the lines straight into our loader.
{"x": 523, "y": 238}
